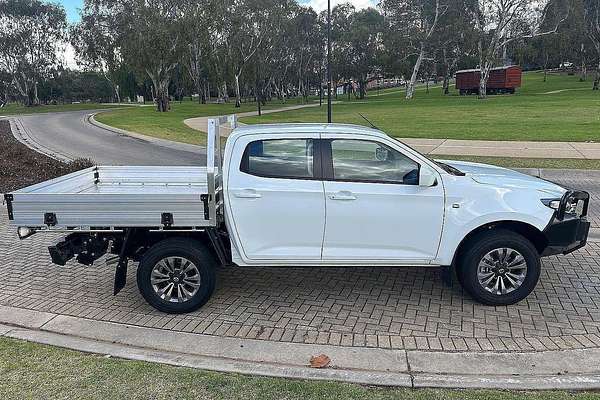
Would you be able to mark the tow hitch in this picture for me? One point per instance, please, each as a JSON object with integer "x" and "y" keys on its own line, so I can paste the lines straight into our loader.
{"x": 88, "y": 248}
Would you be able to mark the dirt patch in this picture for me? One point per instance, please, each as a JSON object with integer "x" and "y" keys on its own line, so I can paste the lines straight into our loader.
{"x": 20, "y": 166}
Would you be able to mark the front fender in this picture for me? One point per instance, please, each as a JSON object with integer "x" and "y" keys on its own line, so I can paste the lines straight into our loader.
{"x": 471, "y": 205}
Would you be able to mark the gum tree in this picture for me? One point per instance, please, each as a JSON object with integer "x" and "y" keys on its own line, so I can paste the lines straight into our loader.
{"x": 416, "y": 21}
{"x": 592, "y": 26}
{"x": 152, "y": 43}
{"x": 498, "y": 23}
{"x": 97, "y": 38}
{"x": 32, "y": 33}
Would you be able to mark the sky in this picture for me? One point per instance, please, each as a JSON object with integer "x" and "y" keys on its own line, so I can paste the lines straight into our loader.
{"x": 71, "y": 6}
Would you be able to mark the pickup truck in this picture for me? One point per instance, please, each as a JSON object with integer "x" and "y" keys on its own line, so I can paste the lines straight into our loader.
{"x": 305, "y": 195}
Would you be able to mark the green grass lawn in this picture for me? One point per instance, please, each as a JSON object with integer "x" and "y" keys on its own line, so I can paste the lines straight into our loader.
{"x": 169, "y": 125}
{"x": 561, "y": 109}
{"x": 34, "y": 371}
{"x": 518, "y": 162}
{"x": 13, "y": 109}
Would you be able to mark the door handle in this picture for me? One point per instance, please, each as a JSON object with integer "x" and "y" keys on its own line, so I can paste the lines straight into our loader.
{"x": 247, "y": 194}
{"x": 344, "y": 195}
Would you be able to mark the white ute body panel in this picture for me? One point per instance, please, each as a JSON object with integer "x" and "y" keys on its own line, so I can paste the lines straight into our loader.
{"x": 291, "y": 222}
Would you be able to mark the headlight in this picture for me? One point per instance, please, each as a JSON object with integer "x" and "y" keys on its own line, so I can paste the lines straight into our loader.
{"x": 552, "y": 203}
{"x": 573, "y": 206}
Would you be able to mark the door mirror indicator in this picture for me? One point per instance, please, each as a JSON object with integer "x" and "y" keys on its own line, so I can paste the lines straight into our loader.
{"x": 427, "y": 176}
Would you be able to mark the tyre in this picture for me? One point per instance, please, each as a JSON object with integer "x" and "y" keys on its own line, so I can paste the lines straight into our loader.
{"x": 177, "y": 275}
{"x": 499, "y": 268}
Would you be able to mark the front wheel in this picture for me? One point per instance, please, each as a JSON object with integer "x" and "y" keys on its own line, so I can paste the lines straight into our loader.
{"x": 499, "y": 268}
{"x": 177, "y": 275}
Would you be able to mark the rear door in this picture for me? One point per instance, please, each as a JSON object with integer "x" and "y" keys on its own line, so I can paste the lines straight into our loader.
{"x": 376, "y": 211}
{"x": 276, "y": 197}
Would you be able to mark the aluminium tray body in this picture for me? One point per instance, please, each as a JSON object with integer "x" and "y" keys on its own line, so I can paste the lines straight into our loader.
{"x": 106, "y": 197}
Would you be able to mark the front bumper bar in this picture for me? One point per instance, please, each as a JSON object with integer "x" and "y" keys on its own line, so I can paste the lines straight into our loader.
{"x": 566, "y": 232}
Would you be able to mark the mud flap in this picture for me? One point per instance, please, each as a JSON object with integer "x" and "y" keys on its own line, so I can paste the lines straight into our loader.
{"x": 121, "y": 270}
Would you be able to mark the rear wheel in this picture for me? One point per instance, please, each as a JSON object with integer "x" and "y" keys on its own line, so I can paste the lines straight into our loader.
{"x": 499, "y": 268}
{"x": 177, "y": 275}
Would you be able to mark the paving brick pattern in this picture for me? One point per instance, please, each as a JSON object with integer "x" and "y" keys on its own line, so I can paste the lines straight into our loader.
{"x": 364, "y": 307}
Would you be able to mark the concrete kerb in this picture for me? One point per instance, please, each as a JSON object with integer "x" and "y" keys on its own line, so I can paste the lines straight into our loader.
{"x": 567, "y": 369}
{"x": 21, "y": 134}
{"x": 161, "y": 142}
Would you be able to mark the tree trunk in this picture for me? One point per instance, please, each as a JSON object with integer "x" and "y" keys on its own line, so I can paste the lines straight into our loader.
{"x": 546, "y": 66}
{"x": 597, "y": 78}
{"x": 362, "y": 85}
{"x": 258, "y": 100}
{"x": 238, "y": 96}
{"x": 117, "y": 94}
{"x": 446, "y": 81}
{"x": 200, "y": 91}
{"x": 161, "y": 87}
{"x": 446, "y": 84}
{"x": 483, "y": 78}
{"x": 410, "y": 89}
{"x": 583, "y": 75}
{"x": 36, "y": 99}
{"x": 225, "y": 92}
{"x": 22, "y": 89}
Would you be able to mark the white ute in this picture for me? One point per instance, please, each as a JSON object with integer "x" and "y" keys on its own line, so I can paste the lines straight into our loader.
{"x": 306, "y": 195}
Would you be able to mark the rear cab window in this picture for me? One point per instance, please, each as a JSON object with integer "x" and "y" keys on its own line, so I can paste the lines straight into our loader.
{"x": 279, "y": 158}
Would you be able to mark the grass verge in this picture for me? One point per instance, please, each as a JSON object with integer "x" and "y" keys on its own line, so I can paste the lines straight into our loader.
{"x": 509, "y": 162}
{"x": 169, "y": 125}
{"x": 14, "y": 109}
{"x": 35, "y": 371}
{"x": 560, "y": 109}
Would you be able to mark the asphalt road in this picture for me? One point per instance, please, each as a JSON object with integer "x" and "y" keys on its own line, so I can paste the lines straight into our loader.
{"x": 70, "y": 135}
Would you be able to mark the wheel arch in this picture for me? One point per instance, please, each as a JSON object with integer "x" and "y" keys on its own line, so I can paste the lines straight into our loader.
{"x": 530, "y": 232}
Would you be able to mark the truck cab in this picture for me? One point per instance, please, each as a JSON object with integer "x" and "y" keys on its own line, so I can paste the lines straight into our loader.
{"x": 310, "y": 195}
{"x": 329, "y": 195}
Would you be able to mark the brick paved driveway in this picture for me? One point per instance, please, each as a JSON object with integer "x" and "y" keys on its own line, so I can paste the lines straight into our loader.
{"x": 375, "y": 307}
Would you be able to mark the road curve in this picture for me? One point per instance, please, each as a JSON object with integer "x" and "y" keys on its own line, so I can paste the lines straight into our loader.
{"x": 70, "y": 135}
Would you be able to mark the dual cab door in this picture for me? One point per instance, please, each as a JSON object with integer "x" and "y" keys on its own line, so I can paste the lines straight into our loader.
{"x": 333, "y": 199}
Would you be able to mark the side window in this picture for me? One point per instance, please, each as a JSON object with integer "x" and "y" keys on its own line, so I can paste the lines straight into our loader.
{"x": 279, "y": 158}
{"x": 367, "y": 161}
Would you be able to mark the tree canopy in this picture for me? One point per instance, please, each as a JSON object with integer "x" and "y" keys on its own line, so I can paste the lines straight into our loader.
{"x": 260, "y": 49}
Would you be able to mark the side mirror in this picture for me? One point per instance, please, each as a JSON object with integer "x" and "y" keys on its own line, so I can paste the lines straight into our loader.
{"x": 427, "y": 176}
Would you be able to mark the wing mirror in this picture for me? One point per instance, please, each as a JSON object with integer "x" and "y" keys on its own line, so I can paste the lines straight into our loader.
{"x": 427, "y": 176}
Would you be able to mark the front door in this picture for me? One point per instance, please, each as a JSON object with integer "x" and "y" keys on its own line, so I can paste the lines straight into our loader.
{"x": 277, "y": 202}
{"x": 376, "y": 211}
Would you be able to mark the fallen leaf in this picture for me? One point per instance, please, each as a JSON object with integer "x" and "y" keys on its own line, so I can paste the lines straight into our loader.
{"x": 320, "y": 361}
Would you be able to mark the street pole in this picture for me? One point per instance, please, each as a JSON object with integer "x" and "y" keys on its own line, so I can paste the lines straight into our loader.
{"x": 329, "y": 61}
